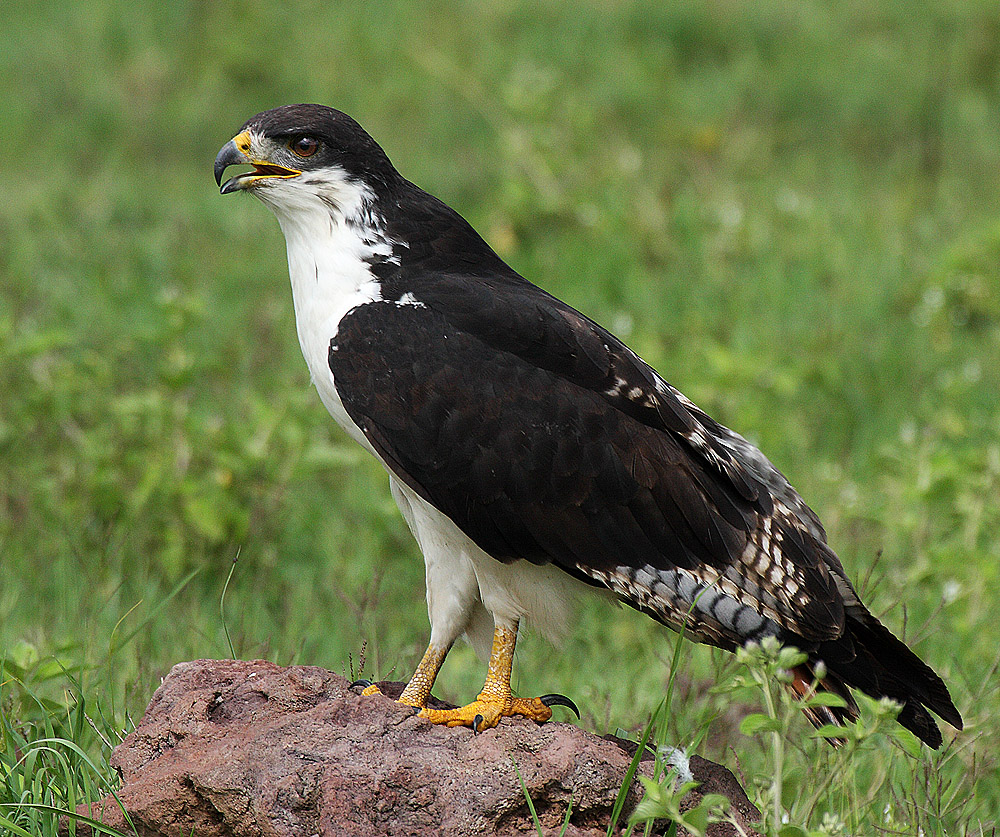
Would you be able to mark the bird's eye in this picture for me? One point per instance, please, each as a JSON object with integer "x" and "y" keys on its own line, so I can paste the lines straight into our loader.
{"x": 304, "y": 146}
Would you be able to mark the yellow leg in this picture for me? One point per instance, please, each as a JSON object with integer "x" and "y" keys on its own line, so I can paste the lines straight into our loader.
{"x": 419, "y": 688}
{"x": 495, "y": 701}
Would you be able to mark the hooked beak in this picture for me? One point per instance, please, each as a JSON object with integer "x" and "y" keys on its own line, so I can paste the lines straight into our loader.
{"x": 236, "y": 152}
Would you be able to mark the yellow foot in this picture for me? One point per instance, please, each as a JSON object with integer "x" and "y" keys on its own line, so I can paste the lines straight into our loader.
{"x": 486, "y": 714}
{"x": 372, "y": 689}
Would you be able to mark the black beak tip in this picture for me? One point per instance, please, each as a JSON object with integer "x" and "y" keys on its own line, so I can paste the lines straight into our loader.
{"x": 228, "y": 155}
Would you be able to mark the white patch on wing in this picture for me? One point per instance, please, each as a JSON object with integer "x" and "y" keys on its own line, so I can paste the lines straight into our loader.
{"x": 409, "y": 299}
{"x": 616, "y": 388}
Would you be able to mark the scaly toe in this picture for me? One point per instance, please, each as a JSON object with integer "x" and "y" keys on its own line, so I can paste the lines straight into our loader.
{"x": 486, "y": 714}
{"x": 480, "y": 715}
{"x": 534, "y": 708}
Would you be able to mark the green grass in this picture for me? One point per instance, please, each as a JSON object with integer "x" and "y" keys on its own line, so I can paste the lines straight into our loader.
{"x": 790, "y": 208}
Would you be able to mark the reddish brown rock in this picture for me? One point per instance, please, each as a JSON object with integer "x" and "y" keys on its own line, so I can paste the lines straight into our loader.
{"x": 250, "y": 748}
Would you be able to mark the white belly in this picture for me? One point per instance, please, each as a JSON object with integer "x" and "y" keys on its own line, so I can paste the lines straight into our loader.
{"x": 462, "y": 580}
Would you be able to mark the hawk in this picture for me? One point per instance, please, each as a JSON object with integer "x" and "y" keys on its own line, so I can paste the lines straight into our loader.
{"x": 535, "y": 456}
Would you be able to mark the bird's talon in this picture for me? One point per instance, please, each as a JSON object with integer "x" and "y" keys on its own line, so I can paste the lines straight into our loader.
{"x": 368, "y": 688}
{"x": 560, "y": 700}
{"x": 477, "y": 722}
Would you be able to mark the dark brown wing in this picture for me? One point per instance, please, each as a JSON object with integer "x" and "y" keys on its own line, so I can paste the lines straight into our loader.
{"x": 543, "y": 438}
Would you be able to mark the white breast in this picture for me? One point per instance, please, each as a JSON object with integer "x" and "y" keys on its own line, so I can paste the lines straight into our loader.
{"x": 330, "y": 247}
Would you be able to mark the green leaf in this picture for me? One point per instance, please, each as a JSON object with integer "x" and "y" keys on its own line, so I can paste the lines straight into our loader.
{"x": 826, "y": 699}
{"x": 696, "y": 820}
{"x": 833, "y": 731}
{"x": 907, "y": 740}
{"x": 790, "y": 657}
{"x": 758, "y": 723}
{"x": 13, "y": 829}
{"x": 716, "y": 802}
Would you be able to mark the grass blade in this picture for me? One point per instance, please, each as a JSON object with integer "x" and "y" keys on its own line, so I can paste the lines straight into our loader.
{"x": 633, "y": 767}
{"x": 527, "y": 796}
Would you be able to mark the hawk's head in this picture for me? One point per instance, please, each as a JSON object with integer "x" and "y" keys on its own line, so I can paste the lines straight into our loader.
{"x": 301, "y": 153}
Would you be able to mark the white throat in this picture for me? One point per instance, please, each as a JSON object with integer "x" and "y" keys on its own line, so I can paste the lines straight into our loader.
{"x": 331, "y": 234}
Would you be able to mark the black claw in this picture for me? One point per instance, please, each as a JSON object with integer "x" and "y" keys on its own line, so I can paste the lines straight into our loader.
{"x": 363, "y": 683}
{"x": 560, "y": 700}
{"x": 477, "y": 722}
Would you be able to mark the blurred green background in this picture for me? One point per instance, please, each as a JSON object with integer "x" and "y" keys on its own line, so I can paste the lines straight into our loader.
{"x": 791, "y": 209}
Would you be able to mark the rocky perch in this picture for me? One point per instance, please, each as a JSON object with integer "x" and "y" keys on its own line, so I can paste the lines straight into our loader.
{"x": 230, "y": 748}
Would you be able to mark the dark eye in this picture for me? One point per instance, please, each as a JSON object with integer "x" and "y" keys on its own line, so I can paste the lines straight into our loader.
{"x": 304, "y": 146}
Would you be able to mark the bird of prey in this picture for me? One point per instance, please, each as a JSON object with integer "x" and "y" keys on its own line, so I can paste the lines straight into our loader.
{"x": 532, "y": 453}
